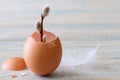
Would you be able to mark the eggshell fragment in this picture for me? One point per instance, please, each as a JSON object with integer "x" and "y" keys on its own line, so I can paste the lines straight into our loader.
{"x": 42, "y": 58}
{"x": 14, "y": 63}
{"x": 13, "y": 76}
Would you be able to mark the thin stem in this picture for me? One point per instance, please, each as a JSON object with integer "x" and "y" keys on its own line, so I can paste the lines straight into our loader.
{"x": 41, "y": 31}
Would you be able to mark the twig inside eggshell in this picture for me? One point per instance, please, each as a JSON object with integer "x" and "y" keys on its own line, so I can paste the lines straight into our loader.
{"x": 44, "y": 13}
{"x": 39, "y": 24}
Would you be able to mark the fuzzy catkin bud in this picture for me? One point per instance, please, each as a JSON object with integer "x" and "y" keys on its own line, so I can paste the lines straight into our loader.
{"x": 44, "y": 38}
{"x": 45, "y": 11}
{"x": 38, "y": 26}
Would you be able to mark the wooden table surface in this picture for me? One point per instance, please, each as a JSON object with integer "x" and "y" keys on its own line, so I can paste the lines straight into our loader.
{"x": 80, "y": 24}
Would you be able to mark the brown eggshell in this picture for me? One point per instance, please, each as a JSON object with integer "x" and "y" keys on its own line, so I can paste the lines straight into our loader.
{"x": 14, "y": 63}
{"x": 42, "y": 58}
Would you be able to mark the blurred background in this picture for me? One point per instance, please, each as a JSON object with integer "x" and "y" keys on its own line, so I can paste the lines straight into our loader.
{"x": 74, "y": 21}
{"x": 69, "y": 19}
{"x": 78, "y": 23}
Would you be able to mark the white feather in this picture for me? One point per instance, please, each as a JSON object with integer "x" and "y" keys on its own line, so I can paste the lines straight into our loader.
{"x": 86, "y": 57}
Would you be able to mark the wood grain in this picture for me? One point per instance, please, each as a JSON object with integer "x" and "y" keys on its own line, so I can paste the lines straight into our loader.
{"x": 79, "y": 24}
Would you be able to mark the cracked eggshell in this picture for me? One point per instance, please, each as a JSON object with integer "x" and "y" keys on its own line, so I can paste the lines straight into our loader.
{"x": 42, "y": 58}
{"x": 14, "y": 63}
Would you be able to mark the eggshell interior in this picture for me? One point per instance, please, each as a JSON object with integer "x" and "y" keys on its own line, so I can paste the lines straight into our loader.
{"x": 14, "y": 63}
{"x": 49, "y": 36}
